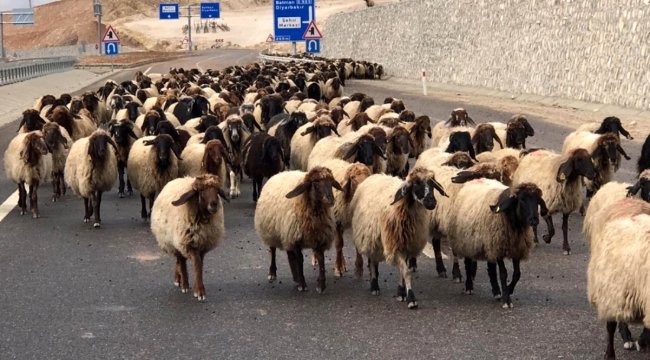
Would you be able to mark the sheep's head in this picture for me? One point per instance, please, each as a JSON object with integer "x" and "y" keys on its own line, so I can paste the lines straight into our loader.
{"x": 407, "y": 116}
{"x": 235, "y": 129}
{"x": 478, "y": 171}
{"x": 122, "y": 131}
{"x": 321, "y": 127}
{"x": 90, "y": 102}
{"x": 336, "y": 83}
{"x": 515, "y": 135}
{"x": 214, "y": 155}
{"x": 354, "y": 176}
{"x": 317, "y": 187}
{"x": 62, "y": 116}
{"x": 419, "y": 186}
{"x": 366, "y": 102}
{"x": 380, "y": 137}
{"x": 459, "y": 117}
{"x": 75, "y": 106}
{"x": 213, "y": 133}
{"x": 54, "y": 136}
{"x": 133, "y": 110}
{"x": 359, "y": 120}
{"x": 484, "y": 138}
{"x": 206, "y": 192}
{"x": 459, "y": 160}
{"x": 337, "y": 114}
{"x": 613, "y": 124}
{"x": 388, "y": 121}
{"x": 401, "y": 141}
{"x": 422, "y": 126}
{"x": 523, "y": 121}
{"x": 200, "y": 106}
{"x": 205, "y": 122}
{"x": 272, "y": 151}
{"x": 364, "y": 150}
{"x": 397, "y": 106}
{"x": 165, "y": 146}
{"x": 46, "y": 100}
{"x": 98, "y": 144}
{"x": 34, "y": 148}
{"x": 607, "y": 147}
{"x": 578, "y": 163}
{"x": 150, "y": 123}
{"x": 117, "y": 102}
{"x": 642, "y": 184}
{"x": 507, "y": 166}
{"x": 31, "y": 120}
{"x": 521, "y": 205}
{"x": 251, "y": 124}
{"x": 461, "y": 141}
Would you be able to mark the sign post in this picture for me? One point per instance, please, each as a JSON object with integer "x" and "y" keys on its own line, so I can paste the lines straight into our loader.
{"x": 207, "y": 10}
{"x": 291, "y": 19}
{"x": 111, "y": 42}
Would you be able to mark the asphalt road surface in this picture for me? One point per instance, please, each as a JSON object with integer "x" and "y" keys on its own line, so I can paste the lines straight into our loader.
{"x": 73, "y": 292}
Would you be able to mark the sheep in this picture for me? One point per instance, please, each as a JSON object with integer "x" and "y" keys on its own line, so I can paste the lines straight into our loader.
{"x": 31, "y": 121}
{"x": 235, "y": 133}
{"x": 604, "y": 150}
{"x": 262, "y": 158}
{"x": 201, "y": 158}
{"x": 609, "y": 124}
{"x": 77, "y": 126}
{"x": 644, "y": 160}
{"x": 27, "y": 162}
{"x": 514, "y": 132}
{"x": 353, "y": 147}
{"x": 496, "y": 155}
{"x": 356, "y": 106}
{"x": 460, "y": 141}
{"x": 305, "y": 138}
{"x": 484, "y": 138}
{"x": 397, "y": 105}
{"x": 490, "y": 221}
{"x": 187, "y": 222}
{"x": 389, "y": 223}
{"x": 617, "y": 272}
{"x": 58, "y": 143}
{"x": 459, "y": 117}
{"x": 180, "y": 136}
{"x": 149, "y": 167}
{"x": 398, "y": 149}
{"x": 420, "y": 132}
{"x": 124, "y": 133}
{"x": 212, "y": 133}
{"x": 269, "y": 106}
{"x": 90, "y": 170}
{"x": 353, "y": 124}
{"x": 560, "y": 179}
{"x": 294, "y": 212}
{"x": 375, "y": 112}
{"x": 333, "y": 89}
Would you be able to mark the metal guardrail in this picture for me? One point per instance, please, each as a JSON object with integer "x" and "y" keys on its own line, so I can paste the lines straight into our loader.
{"x": 262, "y": 56}
{"x": 14, "y": 72}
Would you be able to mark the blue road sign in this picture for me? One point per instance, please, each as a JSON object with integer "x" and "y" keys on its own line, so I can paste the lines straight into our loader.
{"x": 111, "y": 48}
{"x": 210, "y": 10}
{"x": 312, "y": 46}
{"x": 168, "y": 11}
{"x": 291, "y": 18}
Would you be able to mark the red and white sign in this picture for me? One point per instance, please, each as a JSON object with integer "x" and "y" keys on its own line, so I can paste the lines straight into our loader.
{"x": 312, "y": 32}
{"x": 110, "y": 35}
{"x": 270, "y": 38}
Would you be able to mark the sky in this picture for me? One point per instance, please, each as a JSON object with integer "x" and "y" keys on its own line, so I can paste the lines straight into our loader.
{"x": 14, "y": 4}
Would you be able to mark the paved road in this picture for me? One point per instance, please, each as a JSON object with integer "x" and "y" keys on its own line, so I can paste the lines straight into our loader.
{"x": 70, "y": 291}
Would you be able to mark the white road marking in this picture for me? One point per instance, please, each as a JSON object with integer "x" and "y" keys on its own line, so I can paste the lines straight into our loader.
{"x": 8, "y": 205}
{"x": 147, "y": 71}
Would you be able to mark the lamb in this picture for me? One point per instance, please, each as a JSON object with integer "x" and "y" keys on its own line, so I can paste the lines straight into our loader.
{"x": 90, "y": 170}
{"x": 420, "y": 132}
{"x": 560, "y": 179}
{"x": 78, "y": 126}
{"x": 27, "y": 162}
{"x": 124, "y": 133}
{"x": 58, "y": 143}
{"x": 510, "y": 233}
{"x": 305, "y": 138}
{"x": 617, "y": 273}
{"x": 187, "y": 221}
{"x": 389, "y": 223}
{"x": 262, "y": 158}
{"x": 31, "y": 121}
{"x": 294, "y": 212}
{"x": 150, "y": 168}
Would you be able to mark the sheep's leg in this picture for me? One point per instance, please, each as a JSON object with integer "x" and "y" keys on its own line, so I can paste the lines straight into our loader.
{"x": 611, "y": 329}
{"x": 273, "y": 269}
{"x": 120, "y": 178}
{"x": 551, "y": 229}
{"x": 62, "y": 184}
{"x": 33, "y": 199}
{"x": 535, "y": 238}
{"x": 402, "y": 263}
{"x": 494, "y": 282}
{"x": 374, "y": 276}
{"x": 412, "y": 264}
{"x": 232, "y": 177}
{"x": 456, "y": 275}
{"x": 291, "y": 257}
{"x": 97, "y": 202}
{"x": 440, "y": 264}
{"x": 22, "y": 198}
{"x": 143, "y": 207}
{"x": 320, "y": 284}
{"x": 339, "y": 266}
{"x": 152, "y": 197}
{"x": 129, "y": 188}
{"x": 565, "y": 234}
{"x": 197, "y": 261}
{"x": 300, "y": 266}
{"x": 314, "y": 260}
{"x": 87, "y": 210}
{"x": 516, "y": 275}
{"x": 358, "y": 265}
{"x": 626, "y": 335}
{"x": 55, "y": 186}
{"x": 256, "y": 184}
{"x": 401, "y": 290}
{"x": 503, "y": 275}
{"x": 469, "y": 279}
{"x": 644, "y": 339}
{"x": 181, "y": 277}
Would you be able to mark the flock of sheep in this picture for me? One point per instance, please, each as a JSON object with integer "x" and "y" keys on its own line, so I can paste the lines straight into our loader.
{"x": 184, "y": 140}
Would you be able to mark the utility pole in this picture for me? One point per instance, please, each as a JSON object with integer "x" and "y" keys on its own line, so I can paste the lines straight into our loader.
{"x": 189, "y": 15}
{"x": 97, "y": 7}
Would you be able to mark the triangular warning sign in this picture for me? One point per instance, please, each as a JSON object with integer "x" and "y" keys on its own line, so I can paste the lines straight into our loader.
{"x": 312, "y": 32}
{"x": 110, "y": 35}
{"x": 270, "y": 38}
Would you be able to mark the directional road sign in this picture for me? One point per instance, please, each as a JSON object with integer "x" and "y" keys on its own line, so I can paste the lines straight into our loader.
{"x": 168, "y": 11}
{"x": 211, "y": 10}
{"x": 291, "y": 18}
{"x": 110, "y": 35}
{"x": 312, "y": 46}
{"x": 22, "y": 16}
{"x": 111, "y": 48}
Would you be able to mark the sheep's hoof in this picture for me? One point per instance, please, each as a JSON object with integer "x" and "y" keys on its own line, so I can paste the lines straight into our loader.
{"x": 22, "y": 212}
{"x": 120, "y": 194}
{"x": 177, "y": 284}
{"x": 185, "y": 290}
{"x": 86, "y": 220}
{"x": 546, "y": 238}
{"x": 338, "y": 273}
{"x": 507, "y": 306}
{"x": 442, "y": 274}
{"x": 469, "y": 292}
{"x": 35, "y": 216}
{"x": 567, "y": 252}
{"x": 497, "y": 296}
{"x": 319, "y": 290}
{"x": 97, "y": 225}
{"x": 401, "y": 293}
{"x": 301, "y": 288}
{"x": 374, "y": 292}
{"x": 200, "y": 297}
{"x": 629, "y": 345}
{"x": 413, "y": 305}
{"x": 272, "y": 277}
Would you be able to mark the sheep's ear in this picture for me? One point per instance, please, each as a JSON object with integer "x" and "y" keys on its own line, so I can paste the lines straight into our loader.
{"x": 529, "y": 129}
{"x": 149, "y": 142}
{"x": 542, "y": 206}
{"x": 301, "y": 188}
{"x": 351, "y": 152}
{"x": 401, "y": 193}
{"x": 308, "y": 130}
{"x": 378, "y": 151}
{"x": 620, "y": 150}
{"x": 472, "y": 154}
{"x": 333, "y": 127}
{"x": 223, "y": 195}
{"x": 496, "y": 138}
{"x": 176, "y": 151}
{"x": 184, "y": 198}
{"x": 347, "y": 189}
{"x": 634, "y": 189}
{"x": 505, "y": 201}
{"x": 336, "y": 185}
{"x": 436, "y": 185}
{"x": 465, "y": 176}
{"x": 564, "y": 171}
{"x": 132, "y": 134}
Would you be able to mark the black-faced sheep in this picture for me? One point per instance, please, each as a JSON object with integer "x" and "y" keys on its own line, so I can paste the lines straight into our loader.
{"x": 609, "y": 124}
{"x": 91, "y": 169}
{"x": 333, "y": 89}
{"x": 77, "y": 126}
{"x": 420, "y": 132}
{"x": 152, "y": 163}
{"x": 306, "y": 137}
{"x": 398, "y": 148}
{"x": 236, "y": 135}
{"x": 27, "y": 162}
{"x": 484, "y": 137}
{"x": 294, "y": 212}
{"x": 58, "y": 143}
{"x": 389, "y": 222}
{"x": 644, "y": 160}
{"x": 187, "y": 221}
{"x": 31, "y": 121}
{"x": 263, "y": 158}
{"x": 353, "y": 124}
{"x": 353, "y": 147}
{"x": 124, "y": 133}
{"x": 461, "y": 141}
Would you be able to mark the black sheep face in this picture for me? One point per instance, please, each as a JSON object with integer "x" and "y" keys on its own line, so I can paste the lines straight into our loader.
{"x": 401, "y": 144}
{"x": 460, "y": 141}
{"x": 613, "y": 124}
{"x": 235, "y": 129}
{"x": 521, "y": 207}
{"x": 643, "y": 185}
{"x": 365, "y": 151}
{"x": 133, "y": 111}
{"x": 117, "y": 102}
{"x": 484, "y": 142}
{"x": 272, "y": 151}
{"x": 420, "y": 189}
{"x": 299, "y": 118}
{"x": 515, "y": 136}
{"x": 121, "y": 133}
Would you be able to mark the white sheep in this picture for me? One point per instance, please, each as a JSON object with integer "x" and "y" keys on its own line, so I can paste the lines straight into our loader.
{"x": 294, "y": 212}
{"x": 27, "y": 162}
{"x": 198, "y": 159}
{"x": 389, "y": 223}
{"x": 187, "y": 221}
{"x": 90, "y": 170}
{"x": 305, "y": 138}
